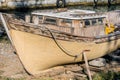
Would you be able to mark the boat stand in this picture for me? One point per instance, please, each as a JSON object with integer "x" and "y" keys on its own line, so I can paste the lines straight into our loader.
{"x": 86, "y": 64}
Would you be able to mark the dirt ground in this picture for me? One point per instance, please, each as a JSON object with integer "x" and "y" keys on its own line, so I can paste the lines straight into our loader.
{"x": 11, "y": 67}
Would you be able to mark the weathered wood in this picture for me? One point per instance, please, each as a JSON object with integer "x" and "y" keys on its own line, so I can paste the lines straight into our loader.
{"x": 76, "y": 74}
{"x": 74, "y": 68}
{"x": 87, "y": 66}
{"x": 74, "y": 33}
{"x": 5, "y": 25}
{"x": 39, "y": 28}
{"x": 61, "y": 31}
{"x": 36, "y": 20}
{"x": 52, "y": 72}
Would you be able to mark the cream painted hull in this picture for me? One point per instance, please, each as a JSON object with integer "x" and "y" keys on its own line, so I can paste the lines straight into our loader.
{"x": 38, "y": 53}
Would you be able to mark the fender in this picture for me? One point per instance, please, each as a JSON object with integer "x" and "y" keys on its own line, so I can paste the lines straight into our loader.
{"x": 95, "y": 3}
{"x": 109, "y": 3}
{"x": 60, "y": 3}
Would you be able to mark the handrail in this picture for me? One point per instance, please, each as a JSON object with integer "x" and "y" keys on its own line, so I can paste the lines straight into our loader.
{"x": 109, "y": 35}
{"x": 91, "y": 14}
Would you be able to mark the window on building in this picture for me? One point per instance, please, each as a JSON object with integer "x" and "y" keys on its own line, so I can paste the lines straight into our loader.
{"x": 94, "y": 22}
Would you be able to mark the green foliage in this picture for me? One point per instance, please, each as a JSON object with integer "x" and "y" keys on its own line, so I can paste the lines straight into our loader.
{"x": 110, "y": 75}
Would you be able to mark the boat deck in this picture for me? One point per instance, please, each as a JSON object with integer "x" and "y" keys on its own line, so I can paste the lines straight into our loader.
{"x": 71, "y": 14}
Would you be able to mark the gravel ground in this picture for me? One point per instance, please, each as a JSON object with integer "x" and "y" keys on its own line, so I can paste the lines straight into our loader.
{"x": 10, "y": 65}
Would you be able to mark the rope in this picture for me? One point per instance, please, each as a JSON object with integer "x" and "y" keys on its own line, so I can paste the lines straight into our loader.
{"x": 60, "y": 46}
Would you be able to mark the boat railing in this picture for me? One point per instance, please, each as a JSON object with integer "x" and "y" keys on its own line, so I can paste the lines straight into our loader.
{"x": 43, "y": 30}
{"x": 87, "y": 15}
{"x": 65, "y": 32}
{"x": 60, "y": 34}
{"x": 90, "y": 31}
{"x": 109, "y": 37}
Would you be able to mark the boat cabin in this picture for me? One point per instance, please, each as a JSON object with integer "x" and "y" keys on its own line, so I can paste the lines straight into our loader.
{"x": 77, "y": 22}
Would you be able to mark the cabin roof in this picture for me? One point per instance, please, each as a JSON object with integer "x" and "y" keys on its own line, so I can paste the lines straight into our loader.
{"x": 71, "y": 14}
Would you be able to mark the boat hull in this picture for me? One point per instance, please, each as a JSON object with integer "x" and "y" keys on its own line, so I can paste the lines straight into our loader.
{"x": 38, "y": 53}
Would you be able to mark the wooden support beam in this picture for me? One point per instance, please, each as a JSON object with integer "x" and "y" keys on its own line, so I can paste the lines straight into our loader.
{"x": 86, "y": 64}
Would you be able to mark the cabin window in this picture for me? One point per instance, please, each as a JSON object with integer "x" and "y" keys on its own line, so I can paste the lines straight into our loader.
{"x": 87, "y": 23}
{"x": 94, "y": 22}
{"x": 50, "y": 20}
{"x": 100, "y": 21}
{"x": 40, "y": 17}
{"x": 66, "y": 22}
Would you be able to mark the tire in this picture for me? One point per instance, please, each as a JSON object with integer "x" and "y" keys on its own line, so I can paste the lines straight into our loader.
{"x": 95, "y": 3}
{"x": 60, "y": 3}
{"x": 109, "y": 3}
{"x": 115, "y": 55}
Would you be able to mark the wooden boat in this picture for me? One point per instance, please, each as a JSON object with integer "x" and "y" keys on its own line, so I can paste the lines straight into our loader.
{"x": 55, "y": 38}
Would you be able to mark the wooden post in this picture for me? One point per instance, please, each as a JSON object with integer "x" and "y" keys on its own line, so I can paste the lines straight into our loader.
{"x": 35, "y": 20}
{"x": 76, "y": 25}
{"x": 86, "y": 64}
{"x": 109, "y": 3}
{"x": 95, "y": 3}
{"x": 27, "y": 18}
{"x": 59, "y": 22}
{"x": 43, "y": 19}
